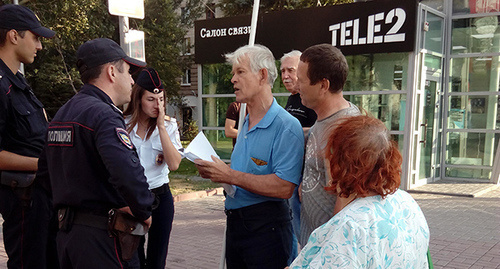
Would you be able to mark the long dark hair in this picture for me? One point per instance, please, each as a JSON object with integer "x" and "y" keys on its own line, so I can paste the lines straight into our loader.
{"x": 134, "y": 109}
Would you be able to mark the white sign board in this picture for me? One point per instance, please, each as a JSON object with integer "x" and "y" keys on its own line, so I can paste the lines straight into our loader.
{"x": 127, "y": 8}
{"x": 134, "y": 41}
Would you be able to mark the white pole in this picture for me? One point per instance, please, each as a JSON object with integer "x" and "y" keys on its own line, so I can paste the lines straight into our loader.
{"x": 123, "y": 27}
{"x": 251, "y": 42}
{"x": 253, "y": 25}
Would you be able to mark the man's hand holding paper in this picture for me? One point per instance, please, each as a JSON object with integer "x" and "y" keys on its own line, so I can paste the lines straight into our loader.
{"x": 217, "y": 171}
{"x": 201, "y": 152}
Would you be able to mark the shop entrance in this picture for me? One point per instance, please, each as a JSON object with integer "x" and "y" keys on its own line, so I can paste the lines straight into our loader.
{"x": 427, "y": 133}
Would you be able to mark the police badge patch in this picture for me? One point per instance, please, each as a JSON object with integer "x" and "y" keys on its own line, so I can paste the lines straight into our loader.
{"x": 124, "y": 138}
{"x": 159, "y": 159}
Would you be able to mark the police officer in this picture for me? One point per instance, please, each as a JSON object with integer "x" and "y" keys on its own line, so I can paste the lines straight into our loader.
{"x": 24, "y": 205}
{"x": 91, "y": 162}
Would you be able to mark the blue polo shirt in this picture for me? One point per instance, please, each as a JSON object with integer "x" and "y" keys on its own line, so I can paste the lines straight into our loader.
{"x": 275, "y": 145}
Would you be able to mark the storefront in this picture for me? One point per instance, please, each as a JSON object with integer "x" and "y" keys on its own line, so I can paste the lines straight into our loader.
{"x": 428, "y": 69}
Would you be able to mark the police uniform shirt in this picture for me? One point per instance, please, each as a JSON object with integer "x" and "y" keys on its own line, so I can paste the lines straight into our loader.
{"x": 151, "y": 152}
{"x": 23, "y": 124}
{"x": 92, "y": 163}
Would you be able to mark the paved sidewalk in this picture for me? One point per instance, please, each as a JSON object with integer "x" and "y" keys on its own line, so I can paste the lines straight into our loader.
{"x": 465, "y": 232}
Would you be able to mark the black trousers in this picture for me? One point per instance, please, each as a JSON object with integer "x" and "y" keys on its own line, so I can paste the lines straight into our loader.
{"x": 159, "y": 232}
{"x": 85, "y": 247}
{"x": 28, "y": 236}
{"x": 259, "y": 236}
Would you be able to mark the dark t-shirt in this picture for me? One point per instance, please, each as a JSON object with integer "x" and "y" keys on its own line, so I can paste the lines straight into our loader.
{"x": 305, "y": 115}
{"x": 233, "y": 113}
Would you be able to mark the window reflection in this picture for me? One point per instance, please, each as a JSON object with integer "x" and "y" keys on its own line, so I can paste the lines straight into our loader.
{"x": 377, "y": 72}
{"x": 474, "y": 112}
{"x": 475, "y": 74}
{"x": 475, "y": 35}
{"x": 471, "y": 148}
{"x": 472, "y": 7}
{"x": 389, "y": 108}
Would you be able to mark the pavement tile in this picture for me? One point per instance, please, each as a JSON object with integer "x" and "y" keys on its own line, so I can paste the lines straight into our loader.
{"x": 465, "y": 232}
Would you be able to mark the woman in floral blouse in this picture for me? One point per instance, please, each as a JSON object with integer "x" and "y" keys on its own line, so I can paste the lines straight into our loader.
{"x": 376, "y": 225}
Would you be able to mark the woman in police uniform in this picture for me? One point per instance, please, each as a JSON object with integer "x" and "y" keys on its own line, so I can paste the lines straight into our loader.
{"x": 157, "y": 141}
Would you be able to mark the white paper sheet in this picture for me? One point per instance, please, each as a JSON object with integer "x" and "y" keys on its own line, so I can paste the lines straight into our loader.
{"x": 200, "y": 148}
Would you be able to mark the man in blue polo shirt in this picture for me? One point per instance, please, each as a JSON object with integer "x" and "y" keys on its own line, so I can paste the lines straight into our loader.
{"x": 266, "y": 166}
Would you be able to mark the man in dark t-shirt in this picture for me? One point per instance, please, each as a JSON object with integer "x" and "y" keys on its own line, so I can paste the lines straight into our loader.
{"x": 294, "y": 106}
{"x": 232, "y": 120}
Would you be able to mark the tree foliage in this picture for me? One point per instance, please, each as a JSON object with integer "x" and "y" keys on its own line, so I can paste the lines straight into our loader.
{"x": 244, "y": 7}
{"x": 54, "y": 76}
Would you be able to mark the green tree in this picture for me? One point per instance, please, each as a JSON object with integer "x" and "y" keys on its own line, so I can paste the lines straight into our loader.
{"x": 165, "y": 30}
{"x": 54, "y": 76}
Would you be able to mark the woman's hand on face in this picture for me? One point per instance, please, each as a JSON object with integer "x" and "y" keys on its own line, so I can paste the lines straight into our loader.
{"x": 160, "y": 121}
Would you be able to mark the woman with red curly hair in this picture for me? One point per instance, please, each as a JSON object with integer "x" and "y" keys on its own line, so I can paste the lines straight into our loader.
{"x": 375, "y": 225}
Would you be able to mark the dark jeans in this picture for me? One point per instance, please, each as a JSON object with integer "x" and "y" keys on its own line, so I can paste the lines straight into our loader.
{"x": 86, "y": 247}
{"x": 259, "y": 236}
{"x": 26, "y": 229}
{"x": 159, "y": 233}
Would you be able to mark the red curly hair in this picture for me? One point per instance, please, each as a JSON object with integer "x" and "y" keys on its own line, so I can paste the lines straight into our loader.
{"x": 362, "y": 158}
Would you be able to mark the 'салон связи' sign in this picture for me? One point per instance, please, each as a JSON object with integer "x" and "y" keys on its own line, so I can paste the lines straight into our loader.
{"x": 358, "y": 28}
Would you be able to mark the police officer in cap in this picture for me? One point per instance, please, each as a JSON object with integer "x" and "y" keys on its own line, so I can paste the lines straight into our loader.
{"x": 24, "y": 205}
{"x": 91, "y": 162}
{"x": 158, "y": 144}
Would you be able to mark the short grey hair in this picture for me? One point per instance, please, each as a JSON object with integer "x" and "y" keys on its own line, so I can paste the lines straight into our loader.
{"x": 260, "y": 58}
{"x": 293, "y": 53}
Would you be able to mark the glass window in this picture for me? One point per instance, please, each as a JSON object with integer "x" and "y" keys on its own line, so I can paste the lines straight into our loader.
{"x": 432, "y": 62}
{"x": 475, "y": 74}
{"x": 400, "y": 140}
{"x": 475, "y": 35}
{"x": 435, "y": 4}
{"x": 186, "y": 77}
{"x": 434, "y": 36}
{"x": 223, "y": 146}
{"x": 468, "y": 172}
{"x": 214, "y": 110}
{"x": 377, "y": 72}
{"x": 217, "y": 79}
{"x": 474, "y": 112}
{"x": 484, "y": 6}
{"x": 389, "y": 108}
{"x": 471, "y": 148}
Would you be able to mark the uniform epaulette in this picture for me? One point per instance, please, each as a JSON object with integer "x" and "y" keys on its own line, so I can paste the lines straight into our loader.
{"x": 115, "y": 108}
{"x": 167, "y": 118}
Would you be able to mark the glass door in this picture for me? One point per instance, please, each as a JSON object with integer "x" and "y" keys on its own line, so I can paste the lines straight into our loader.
{"x": 430, "y": 129}
{"x": 427, "y": 130}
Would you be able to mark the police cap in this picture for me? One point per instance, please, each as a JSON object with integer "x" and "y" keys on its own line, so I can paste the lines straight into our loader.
{"x": 103, "y": 50}
{"x": 21, "y": 18}
{"x": 150, "y": 80}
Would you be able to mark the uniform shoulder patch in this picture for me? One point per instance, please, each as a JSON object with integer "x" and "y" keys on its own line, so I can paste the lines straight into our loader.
{"x": 124, "y": 138}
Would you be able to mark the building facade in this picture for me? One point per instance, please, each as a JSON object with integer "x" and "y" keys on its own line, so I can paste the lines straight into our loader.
{"x": 430, "y": 70}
